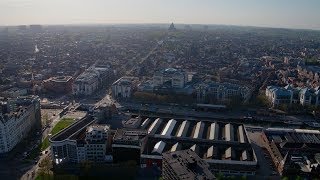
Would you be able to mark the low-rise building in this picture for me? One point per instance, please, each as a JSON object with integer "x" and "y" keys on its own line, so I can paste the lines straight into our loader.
{"x": 293, "y": 151}
{"x": 310, "y": 72}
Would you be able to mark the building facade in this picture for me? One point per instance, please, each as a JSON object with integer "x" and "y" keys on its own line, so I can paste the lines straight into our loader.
{"x": 221, "y": 92}
{"x": 59, "y": 84}
{"x": 292, "y": 95}
{"x": 80, "y": 142}
{"x": 127, "y": 145}
{"x": 124, "y": 87}
{"x": 94, "y": 146}
{"x": 90, "y": 80}
{"x": 17, "y": 118}
{"x": 175, "y": 78}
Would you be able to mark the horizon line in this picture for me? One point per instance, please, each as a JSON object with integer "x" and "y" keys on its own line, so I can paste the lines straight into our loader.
{"x": 161, "y": 23}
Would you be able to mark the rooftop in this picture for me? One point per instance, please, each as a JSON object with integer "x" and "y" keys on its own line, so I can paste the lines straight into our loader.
{"x": 59, "y": 79}
{"x": 187, "y": 164}
{"x": 129, "y": 135}
{"x": 73, "y": 129}
{"x": 125, "y": 80}
{"x": 220, "y": 139}
{"x": 97, "y": 127}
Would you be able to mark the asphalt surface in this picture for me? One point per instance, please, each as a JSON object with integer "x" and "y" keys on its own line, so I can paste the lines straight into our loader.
{"x": 266, "y": 169}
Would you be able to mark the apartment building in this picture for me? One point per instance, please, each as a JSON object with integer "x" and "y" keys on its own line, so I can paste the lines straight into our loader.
{"x": 175, "y": 78}
{"x": 17, "y": 117}
{"x": 293, "y": 95}
{"x": 82, "y": 141}
{"x": 221, "y": 92}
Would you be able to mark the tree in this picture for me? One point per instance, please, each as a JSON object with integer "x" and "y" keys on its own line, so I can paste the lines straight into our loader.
{"x": 45, "y": 169}
{"x": 219, "y": 176}
{"x": 284, "y": 107}
{"x": 262, "y": 100}
{"x": 46, "y": 164}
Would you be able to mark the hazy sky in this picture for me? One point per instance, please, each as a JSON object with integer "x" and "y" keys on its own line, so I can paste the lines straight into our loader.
{"x": 271, "y": 13}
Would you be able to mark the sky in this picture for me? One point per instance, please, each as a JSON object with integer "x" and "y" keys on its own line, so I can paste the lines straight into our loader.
{"x": 303, "y": 14}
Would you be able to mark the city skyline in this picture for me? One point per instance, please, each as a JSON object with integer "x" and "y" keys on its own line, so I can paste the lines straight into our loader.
{"x": 281, "y": 14}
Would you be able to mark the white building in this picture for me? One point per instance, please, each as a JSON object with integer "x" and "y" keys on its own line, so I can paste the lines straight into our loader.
{"x": 16, "y": 120}
{"x": 292, "y": 95}
{"x": 123, "y": 87}
{"x": 222, "y": 92}
{"x": 89, "y": 81}
{"x": 176, "y": 78}
{"x": 81, "y": 142}
{"x": 95, "y": 143}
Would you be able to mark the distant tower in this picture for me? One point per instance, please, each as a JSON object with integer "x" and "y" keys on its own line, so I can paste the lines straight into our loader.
{"x": 172, "y": 28}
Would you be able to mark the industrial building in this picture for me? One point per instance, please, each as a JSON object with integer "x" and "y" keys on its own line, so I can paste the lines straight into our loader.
{"x": 185, "y": 164}
{"x": 224, "y": 146}
{"x": 293, "y": 150}
{"x": 17, "y": 117}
